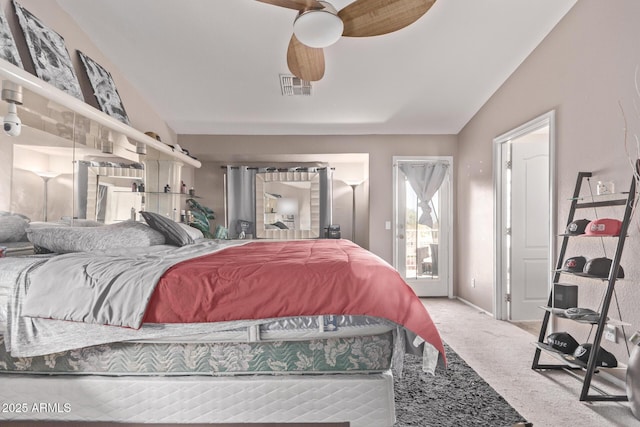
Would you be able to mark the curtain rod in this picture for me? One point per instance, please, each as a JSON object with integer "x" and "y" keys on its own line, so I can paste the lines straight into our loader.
{"x": 275, "y": 169}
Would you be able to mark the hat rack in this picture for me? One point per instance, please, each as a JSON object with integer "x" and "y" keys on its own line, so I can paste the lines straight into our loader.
{"x": 571, "y": 363}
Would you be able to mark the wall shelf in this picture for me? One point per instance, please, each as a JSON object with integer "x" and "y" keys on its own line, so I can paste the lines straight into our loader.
{"x": 55, "y": 112}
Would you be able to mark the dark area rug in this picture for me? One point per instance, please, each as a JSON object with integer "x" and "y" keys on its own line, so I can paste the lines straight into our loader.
{"x": 455, "y": 396}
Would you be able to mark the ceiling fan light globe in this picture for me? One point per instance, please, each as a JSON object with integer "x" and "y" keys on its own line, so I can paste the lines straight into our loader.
{"x": 318, "y": 28}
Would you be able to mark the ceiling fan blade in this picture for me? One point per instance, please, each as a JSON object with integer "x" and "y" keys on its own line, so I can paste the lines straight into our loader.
{"x": 295, "y": 4}
{"x": 305, "y": 62}
{"x": 365, "y": 18}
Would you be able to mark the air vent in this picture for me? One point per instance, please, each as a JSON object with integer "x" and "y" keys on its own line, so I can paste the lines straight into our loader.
{"x": 292, "y": 86}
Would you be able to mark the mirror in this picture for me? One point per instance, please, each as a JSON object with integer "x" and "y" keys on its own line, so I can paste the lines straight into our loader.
{"x": 104, "y": 190}
{"x": 288, "y": 205}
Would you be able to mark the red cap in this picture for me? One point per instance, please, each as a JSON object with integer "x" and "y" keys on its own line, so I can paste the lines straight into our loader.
{"x": 604, "y": 226}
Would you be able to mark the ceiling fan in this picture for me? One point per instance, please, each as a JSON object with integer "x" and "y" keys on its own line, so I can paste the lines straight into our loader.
{"x": 319, "y": 25}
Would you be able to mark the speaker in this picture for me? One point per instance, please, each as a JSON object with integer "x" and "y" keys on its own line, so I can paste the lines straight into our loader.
{"x": 565, "y": 296}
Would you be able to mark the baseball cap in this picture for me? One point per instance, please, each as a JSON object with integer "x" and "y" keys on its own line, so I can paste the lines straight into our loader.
{"x": 600, "y": 267}
{"x": 582, "y": 314}
{"x": 604, "y": 358}
{"x": 574, "y": 264}
{"x": 577, "y": 227}
{"x": 603, "y": 227}
{"x": 562, "y": 342}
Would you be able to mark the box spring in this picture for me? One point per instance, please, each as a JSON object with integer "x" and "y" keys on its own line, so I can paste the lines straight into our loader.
{"x": 364, "y": 400}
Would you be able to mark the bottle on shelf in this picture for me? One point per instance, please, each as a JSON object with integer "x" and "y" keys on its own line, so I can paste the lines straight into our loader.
{"x": 183, "y": 188}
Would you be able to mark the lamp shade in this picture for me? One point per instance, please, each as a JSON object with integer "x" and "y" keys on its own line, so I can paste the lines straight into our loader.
{"x": 318, "y": 28}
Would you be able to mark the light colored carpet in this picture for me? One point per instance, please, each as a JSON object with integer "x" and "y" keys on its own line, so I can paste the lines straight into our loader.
{"x": 501, "y": 353}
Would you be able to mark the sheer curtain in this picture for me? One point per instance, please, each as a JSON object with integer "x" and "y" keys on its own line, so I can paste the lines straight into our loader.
{"x": 326, "y": 198}
{"x": 425, "y": 179}
{"x": 241, "y": 198}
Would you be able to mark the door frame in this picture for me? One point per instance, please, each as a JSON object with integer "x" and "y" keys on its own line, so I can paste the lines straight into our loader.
{"x": 500, "y": 304}
{"x": 449, "y": 234}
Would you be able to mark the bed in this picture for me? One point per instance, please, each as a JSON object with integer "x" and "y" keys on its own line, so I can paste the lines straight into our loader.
{"x": 305, "y": 331}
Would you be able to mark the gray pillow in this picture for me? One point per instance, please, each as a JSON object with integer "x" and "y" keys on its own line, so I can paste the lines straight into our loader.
{"x": 191, "y": 231}
{"x": 173, "y": 233}
{"x": 126, "y": 234}
{"x": 13, "y": 228}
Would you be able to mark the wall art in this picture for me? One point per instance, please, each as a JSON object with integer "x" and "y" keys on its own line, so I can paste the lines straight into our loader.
{"x": 104, "y": 89}
{"x": 8, "y": 49}
{"x": 50, "y": 55}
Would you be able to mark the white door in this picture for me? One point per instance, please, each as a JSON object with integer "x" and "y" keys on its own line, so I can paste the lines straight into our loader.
{"x": 421, "y": 252}
{"x": 529, "y": 224}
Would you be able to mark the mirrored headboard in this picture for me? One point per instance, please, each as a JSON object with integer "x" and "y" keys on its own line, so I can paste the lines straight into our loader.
{"x": 288, "y": 205}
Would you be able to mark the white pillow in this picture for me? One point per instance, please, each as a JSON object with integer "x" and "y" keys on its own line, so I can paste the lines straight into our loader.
{"x": 13, "y": 228}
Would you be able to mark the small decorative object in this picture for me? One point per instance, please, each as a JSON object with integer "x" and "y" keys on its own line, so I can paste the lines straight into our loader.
{"x": 8, "y": 49}
{"x": 167, "y": 188}
{"x": 134, "y": 187}
{"x": 153, "y": 135}
{"x": 104, "y": 89}
{"x": 221, "y": 233}
{"x": 243, "y": 227}
{"x": 50, "y": 56}
{"x": 141, "y": 187}
{"x": 192, "y": 192}
{"x": 605, "y": 188}
{"x": 183, "y": 188}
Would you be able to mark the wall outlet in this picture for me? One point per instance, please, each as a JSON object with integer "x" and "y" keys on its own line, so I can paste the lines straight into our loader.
{"x": 611, "y": 333}
{"x": 473, "y": 283}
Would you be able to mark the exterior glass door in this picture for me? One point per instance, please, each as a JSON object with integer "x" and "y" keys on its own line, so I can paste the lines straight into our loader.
{"x": 422, "y": 241}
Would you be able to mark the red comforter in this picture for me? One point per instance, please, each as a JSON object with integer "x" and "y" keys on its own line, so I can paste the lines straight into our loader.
{"x": 263, "y": 280}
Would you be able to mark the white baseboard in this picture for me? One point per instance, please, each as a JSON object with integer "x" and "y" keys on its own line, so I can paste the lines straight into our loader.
{"x": 464, "y": 301}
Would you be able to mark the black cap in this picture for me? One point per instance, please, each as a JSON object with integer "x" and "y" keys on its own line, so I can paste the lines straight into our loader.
{"x": 600, "y": 267}
{"x": 575, "y": 264}
{"x": 582, "y": 314}
{"x": 562, "y": 342}
{"x": 577, "y": 227}
{"x": 604, "y": 358}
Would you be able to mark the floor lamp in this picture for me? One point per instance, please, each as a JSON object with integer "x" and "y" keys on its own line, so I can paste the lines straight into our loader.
{"x": 46, "y": 176}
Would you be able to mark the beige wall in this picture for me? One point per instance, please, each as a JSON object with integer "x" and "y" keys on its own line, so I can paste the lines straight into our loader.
{"x": 381, "y": 149}
{"x": 140, "y": 113}
{"x": 583, "y": 69}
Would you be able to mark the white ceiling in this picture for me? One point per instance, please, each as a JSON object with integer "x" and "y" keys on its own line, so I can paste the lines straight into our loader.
{"x": 213, "y": 66}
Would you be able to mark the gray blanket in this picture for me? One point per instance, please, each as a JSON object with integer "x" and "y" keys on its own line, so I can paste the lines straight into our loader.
{"x": 98, "y": 286}
{"x": 33, "y": 336}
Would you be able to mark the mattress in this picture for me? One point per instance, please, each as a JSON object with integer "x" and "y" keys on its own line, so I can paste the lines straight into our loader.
{"x": 371, "y": 353}
{"x": 364, "y": 400}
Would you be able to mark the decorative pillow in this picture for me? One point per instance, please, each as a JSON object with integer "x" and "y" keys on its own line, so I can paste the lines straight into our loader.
{"x": 13, "y": 228}
{"x": 126, "y": 234}
{"x": 173, "y": 233}
{"x": 191, "y": 231}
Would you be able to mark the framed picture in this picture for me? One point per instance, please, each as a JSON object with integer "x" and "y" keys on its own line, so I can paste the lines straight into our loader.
{"x": 8, "y": 49}
{"x": 50, "y": 55}
{"x": 104, "y": 89}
